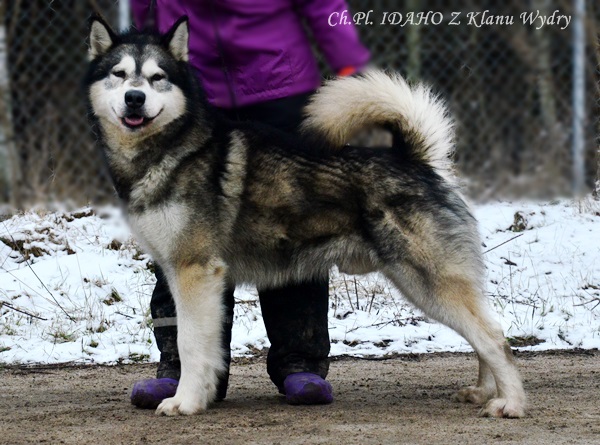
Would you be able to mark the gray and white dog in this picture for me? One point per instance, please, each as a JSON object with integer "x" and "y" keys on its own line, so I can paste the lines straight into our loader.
{"x": 218, "y": 203}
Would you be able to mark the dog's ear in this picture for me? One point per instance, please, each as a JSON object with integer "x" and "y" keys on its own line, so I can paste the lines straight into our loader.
{"x": 102, "y": 37}
{"x": 177, "y": 39}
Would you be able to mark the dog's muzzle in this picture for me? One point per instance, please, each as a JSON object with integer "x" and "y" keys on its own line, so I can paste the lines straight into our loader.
{"x": 134, "y": 116}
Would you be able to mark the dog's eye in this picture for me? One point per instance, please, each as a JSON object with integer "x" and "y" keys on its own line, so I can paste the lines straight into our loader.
{"x": 157, "y": 77}
{"x": 120, "y": 74}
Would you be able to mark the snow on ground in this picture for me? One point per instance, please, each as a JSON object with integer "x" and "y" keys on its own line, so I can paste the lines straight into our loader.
{"x": 74, "y": 287}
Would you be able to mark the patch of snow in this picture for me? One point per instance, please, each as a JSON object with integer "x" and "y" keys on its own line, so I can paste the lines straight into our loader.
{"x": 74, "y": 287}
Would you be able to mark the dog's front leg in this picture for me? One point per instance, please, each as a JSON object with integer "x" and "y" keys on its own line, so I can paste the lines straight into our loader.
{"x": 198, "y": 292}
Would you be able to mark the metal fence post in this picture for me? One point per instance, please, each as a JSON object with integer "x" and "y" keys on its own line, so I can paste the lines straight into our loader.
{"x": 124, "y": 15}
{"x": 9, "y": 165}
{"x": 578, "y": 98}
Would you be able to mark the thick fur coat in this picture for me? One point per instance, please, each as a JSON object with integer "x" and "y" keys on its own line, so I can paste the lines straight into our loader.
{"x": 218, "y": 203}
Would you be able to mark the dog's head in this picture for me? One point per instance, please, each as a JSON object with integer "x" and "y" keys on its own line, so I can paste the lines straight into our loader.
{"x": 136, "y": 81}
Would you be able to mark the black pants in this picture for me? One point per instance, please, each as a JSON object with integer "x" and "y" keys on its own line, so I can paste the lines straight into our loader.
{"x": 295, "y": 316}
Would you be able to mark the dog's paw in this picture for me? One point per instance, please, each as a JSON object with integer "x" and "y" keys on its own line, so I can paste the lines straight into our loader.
{"x": 503, "y": 408}
{"x": 174, "y": 406}
{"x": 477, "y": 395}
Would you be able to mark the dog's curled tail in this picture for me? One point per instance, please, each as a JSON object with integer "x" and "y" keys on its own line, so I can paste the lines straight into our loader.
{"x": 345, "y": 106}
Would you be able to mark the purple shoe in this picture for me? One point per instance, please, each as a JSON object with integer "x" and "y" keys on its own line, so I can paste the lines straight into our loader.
{"x": 305, "y": 388}
{"x": 147, "y": 394}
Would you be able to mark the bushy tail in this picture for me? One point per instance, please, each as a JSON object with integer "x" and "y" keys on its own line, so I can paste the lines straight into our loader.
{"x": 345, "y": 106}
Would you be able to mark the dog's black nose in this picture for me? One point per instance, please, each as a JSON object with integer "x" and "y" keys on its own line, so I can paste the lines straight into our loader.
{"x": 135, "y": 98}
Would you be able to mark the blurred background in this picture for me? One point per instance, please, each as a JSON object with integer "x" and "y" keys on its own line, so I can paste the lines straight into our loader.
{"x": 526, "y": 101}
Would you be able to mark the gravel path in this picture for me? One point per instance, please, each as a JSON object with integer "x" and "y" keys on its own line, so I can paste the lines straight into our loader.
{"x": 405, "y": 400}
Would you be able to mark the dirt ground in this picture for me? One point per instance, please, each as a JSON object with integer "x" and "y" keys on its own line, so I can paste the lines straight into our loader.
{"x": 405, "y": 400}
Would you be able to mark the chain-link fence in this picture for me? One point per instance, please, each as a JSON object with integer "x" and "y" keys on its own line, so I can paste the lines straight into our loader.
{"x": 49, "y": 149}
{"x": 512, "y": 88}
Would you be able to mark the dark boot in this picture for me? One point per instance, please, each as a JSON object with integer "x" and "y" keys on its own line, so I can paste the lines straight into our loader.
{"x": 296, "y": 321}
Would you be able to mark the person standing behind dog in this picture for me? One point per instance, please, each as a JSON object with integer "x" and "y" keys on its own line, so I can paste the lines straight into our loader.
{"x": 255, "y": 62}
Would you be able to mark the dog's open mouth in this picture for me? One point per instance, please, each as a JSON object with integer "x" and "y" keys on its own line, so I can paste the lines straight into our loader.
{"x": 136, "y": 121}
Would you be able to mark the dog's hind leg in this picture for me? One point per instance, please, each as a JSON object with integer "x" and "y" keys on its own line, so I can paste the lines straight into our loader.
{"x": 457, "y": 301}
{"x": 198, "y": 293}
{"x": 483, "y": 391}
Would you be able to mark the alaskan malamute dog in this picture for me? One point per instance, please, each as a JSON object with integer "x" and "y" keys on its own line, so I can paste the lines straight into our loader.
{"x": 217, "y": 203}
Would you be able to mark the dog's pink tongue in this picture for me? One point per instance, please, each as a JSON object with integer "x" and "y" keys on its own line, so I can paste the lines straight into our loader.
{"x": 134, "y": 120}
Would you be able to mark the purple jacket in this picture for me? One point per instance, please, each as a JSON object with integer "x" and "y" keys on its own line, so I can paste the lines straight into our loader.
{"x": 251, "y": 51}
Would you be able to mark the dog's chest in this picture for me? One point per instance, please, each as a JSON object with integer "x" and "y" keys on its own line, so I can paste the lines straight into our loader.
{"x": 160, "y": 229}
